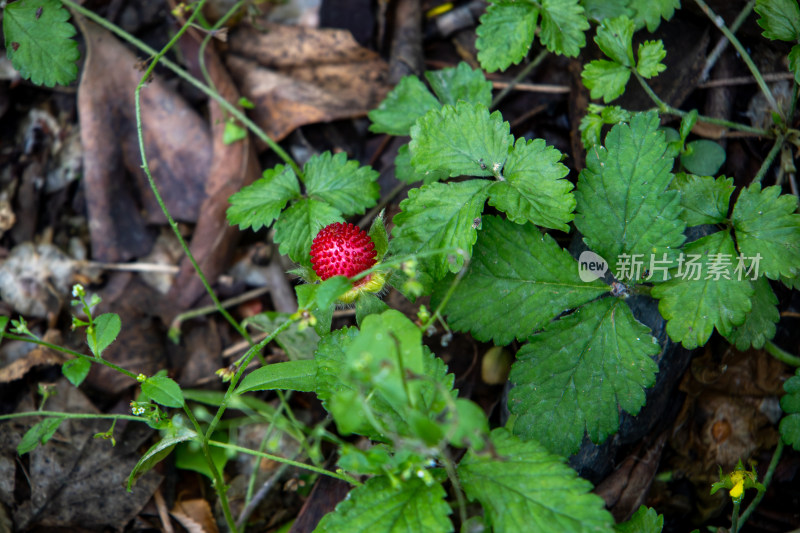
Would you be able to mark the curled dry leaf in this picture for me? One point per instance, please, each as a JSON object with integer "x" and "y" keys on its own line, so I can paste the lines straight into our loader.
{"x": 298, "y": 76}
{"x": 35, "y": 278}
{"x": 176, "y": 139}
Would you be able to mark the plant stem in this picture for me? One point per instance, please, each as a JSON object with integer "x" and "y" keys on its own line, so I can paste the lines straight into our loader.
{"x": 248, "y": 356}
{"x": 770, "y": 157}
{"x": 664, "y": 107}
{"x": 781, "y": 355}
{"x": 453, "y": 476}
{"x": 232, "y": 109}
{"x": 283, "y": 460}
{"x": 773, "y": 464}
{"x": 80, "y": 416}
{"x": 450, "y": 290}
{"x": 518, "y": 78}
{"x": 735, "y": 517}
{"x": 61, "y": 349}
{"x": 719, "y": 22}
{"x": 219, "y": 481}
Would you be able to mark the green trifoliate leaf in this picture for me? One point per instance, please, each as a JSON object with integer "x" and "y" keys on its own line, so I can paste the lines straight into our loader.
{"x": 527, "y": 289}
{"x": 38, "y": 41}
{"x": 576, "y": 376}
{"x": 615, "y": 38}
{"x": 766, "y": 223}
{"x": 105, "y": 330}
{"x": 651, "y": 54}
{"x": 623, "y": 207}
{"x": 439, "y": 215}
{"x": 258, "y": 204}
{"x": 462, "y": 139}
{"x": 563, "y": 24}
{"x": 532, "y": 189}
{"x": 345, "y": 185}
{"x": 605, "y": 79}
{"x": 790, "y": 403}
{"x": 707, "y": 290}
{"x": 779, "y": 18}
{"x": 591, "y": 125}
{"x": 382, "y": 505}
{"x": 704, "y": 199}
{"x": 404, "y": 104}
{"x": 650, "y": 12}
{"x": 645, "y": 520}
{"x": 299, "y": 224}
{"x": 505, "y": 34}
{"x": 759, "y": 326}
{"x": 460, "y": 83}
{"x": 523, "y": 487}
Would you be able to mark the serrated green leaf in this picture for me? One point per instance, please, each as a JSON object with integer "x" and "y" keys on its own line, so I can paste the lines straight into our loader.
{"x": 563, "y": 24}
{"x": 460, "y": 83}
{"x": 650, "y": 12}
{"x": 404, "y": 104}
{"x": 522, "y": 487}
{"x": 599, "y": 10}
{"x": 40, "y": 433}
{"x": 766, "y": 223}
{"x": 76, "y": 370}
{"x": 715, "y": 301}
{"x": 298, "y": 375}
{"x": 645, "y": 520}
{"x": 605, "y": 79}
{"x": 164, "y": 391}
{"x": 38, "y": 41}
{"x": 464, "y": 140}
{"x": 298, "y": 344}
{"x": 439, "y": 215}
{"x": 384, "y": 506}
{"x": 261, "y": 202}
{"x": 623, "y": 207}
{"x": 106, "y": 328}
{"x": 759, "y": 326}
{"x": 576, "y": 376}
{"x": 790, "y": 403}
{"x": 158, "y": 452}
{"x": 780, "y": 19}
{"x": 369, "y": 304}
{"x": 703, "y": 157}
{"x": 794, "y": 62}
{"x": 505, "y": 34}
{"x": 405, "y": 171}
{"x": 340, "y": 371}
{"x": 615, "y": 38}
{"x": 704, "y": 199}
{"x": 345, "y": 185}
{"x": 651, "y": 54}
{"x": 533, "y": 190}
{"x": 299, "y": 224}
{"x": 377, "y": 232}
{"x": 526, "y": 289}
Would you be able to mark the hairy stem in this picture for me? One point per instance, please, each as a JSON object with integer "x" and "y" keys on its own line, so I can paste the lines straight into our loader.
{"x": 770, "y": 157}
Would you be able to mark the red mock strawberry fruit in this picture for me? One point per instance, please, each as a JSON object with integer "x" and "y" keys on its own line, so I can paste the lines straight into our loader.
{"x": 342, "y": 250}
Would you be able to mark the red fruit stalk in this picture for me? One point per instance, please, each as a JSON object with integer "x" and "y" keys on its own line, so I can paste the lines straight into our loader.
{"x": 342, "y": 250}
